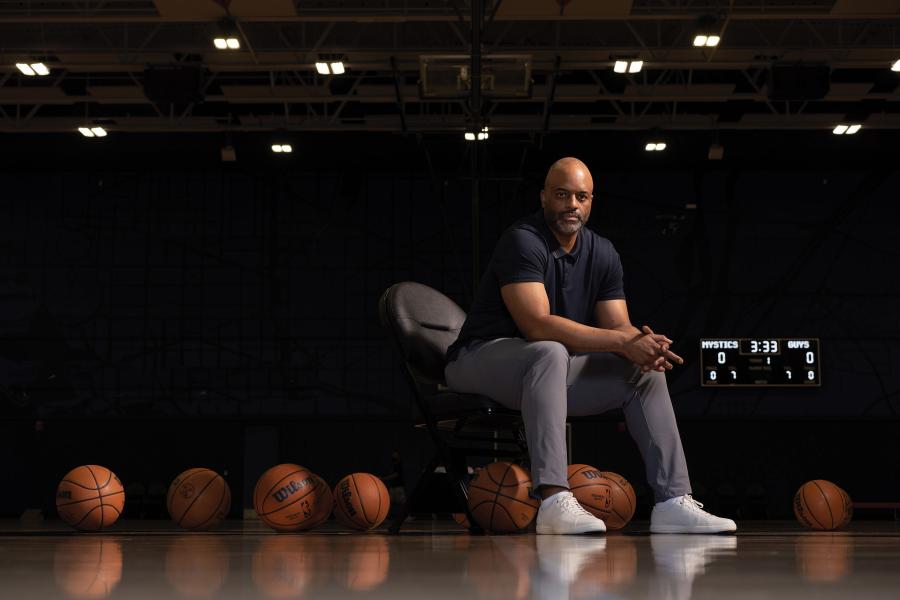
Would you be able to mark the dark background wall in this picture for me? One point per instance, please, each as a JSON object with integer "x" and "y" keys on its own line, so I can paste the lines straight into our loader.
{"x": 155, "y": 302}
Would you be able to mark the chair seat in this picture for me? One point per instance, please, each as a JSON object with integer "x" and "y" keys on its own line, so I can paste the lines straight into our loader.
{"x": 452, "y": 405}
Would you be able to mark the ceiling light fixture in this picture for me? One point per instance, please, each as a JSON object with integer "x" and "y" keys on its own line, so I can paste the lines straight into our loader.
{"x": 843, "y": 129}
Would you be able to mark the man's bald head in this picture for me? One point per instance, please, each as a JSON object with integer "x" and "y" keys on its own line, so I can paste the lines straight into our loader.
{"x": 566, "y": 197}
{"x": 566, "y": 166}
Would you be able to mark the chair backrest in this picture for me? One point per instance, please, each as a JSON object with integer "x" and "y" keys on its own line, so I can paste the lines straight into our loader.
{"x": 422, "y": 323}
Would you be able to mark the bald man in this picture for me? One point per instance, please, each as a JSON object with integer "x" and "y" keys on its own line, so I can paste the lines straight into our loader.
{"x": 548, "y": 334}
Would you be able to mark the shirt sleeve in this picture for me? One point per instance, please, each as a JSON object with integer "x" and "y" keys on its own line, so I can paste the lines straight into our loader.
{"x": 612, "y": 285}
{"x": 520, "y": 256}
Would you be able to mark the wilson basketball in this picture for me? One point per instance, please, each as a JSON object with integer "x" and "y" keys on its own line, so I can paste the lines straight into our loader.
{"x": 500, "y": 500}
{"x": 90, "y": 498}
{"x": 361, "y": 501}
{"x": 591, "y": 489}
{"x": 820, "y": 504}
{"x": 198, "y": 499}
{"x": 284, "y": 497}
{"x": 324, "y": 502}
{"x": 622, "y": 500}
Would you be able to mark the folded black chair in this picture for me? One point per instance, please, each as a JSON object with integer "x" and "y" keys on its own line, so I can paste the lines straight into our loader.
{"x": 421, "y": 323}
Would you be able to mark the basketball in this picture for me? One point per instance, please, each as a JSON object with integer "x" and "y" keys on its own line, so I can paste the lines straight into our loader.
{"x": 284, "y": 497}
{"x": 622, "y": 501}
{"x": 499, "y": 498}
{"x": 591, "y": 489}
{"x": 90, "y": 498}
{"x": 820, "y": 504}
{"x": 324, "y": 502}
{"x": 198, "y": 499}
{"x": 361, "y": 501}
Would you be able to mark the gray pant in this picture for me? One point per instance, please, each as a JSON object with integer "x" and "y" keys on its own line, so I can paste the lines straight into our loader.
{"x": 548, "y": 384}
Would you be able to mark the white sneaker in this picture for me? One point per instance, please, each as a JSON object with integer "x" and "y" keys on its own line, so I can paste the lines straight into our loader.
{"x": 561, "y": 514}
{"x": 683, "y": 514}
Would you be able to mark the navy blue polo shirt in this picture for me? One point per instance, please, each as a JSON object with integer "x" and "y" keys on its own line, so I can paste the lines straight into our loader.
{"x": 528, "y": 251}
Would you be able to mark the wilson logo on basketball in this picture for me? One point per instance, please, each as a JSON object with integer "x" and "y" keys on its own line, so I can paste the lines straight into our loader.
{"x": 288, "y": 490}
{"x": 591, "y": 474}
{"x": 345, "y": 498}
{"x": 65, "y": 495}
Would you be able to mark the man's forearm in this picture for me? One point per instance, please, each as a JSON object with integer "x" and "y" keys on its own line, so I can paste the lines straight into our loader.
{"x": 581, "y": 338}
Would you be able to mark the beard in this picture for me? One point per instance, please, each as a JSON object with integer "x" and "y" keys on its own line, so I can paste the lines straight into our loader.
{"x": 558, "y": 222}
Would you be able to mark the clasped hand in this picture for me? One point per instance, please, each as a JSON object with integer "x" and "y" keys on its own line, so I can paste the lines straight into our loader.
{"x": 651, "y": 351}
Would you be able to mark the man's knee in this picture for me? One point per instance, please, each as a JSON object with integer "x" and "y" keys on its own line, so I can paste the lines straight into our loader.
{"x": 547, "y": 351}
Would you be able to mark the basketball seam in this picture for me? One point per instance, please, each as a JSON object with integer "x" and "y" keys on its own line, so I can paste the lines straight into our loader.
{"x": 216, "y": 511}
{"x": 807, "y": 512}
{"x": 76, "y": 525}
{"x": 378, "y": 489}
{"x": 362, "y": 506}
{"x": 76, "y": 484}
{"x": 86, "y": 499}
{"x": 508, "y": 514}
{"x": 197, "y": 497}
{"x": 513, "y": 499}
{"x": 108, "y": 479}
{"x": 91, "y": 471}
{"x": 827, "y": 503}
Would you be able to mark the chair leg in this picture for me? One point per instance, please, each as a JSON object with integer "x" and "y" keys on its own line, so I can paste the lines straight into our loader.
{"x": 422, "y": 484}
{"x": 458, "y": 469}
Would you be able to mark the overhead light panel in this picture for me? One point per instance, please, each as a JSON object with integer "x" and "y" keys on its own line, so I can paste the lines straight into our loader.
{"x": 628, "y": 66}
{"x": 32, "y": 69}
{"x": 655, "y": 146}
{"x": 330, "y": 68}
{"x": 708, "y": 32}
{"x": 896, "y": 66}
{"x": 227, "y": 36}
{"x": 227, "y": 43}
{"x": 282, "y": 148}
{"x": 90, "y": 132}
{"x": 844, "y": 129}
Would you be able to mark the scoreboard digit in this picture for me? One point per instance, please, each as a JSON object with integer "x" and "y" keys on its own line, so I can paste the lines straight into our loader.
{"x": 751, "y": 362}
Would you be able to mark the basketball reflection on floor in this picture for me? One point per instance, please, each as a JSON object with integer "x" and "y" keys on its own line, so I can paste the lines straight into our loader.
{"x": 87, "y": 567}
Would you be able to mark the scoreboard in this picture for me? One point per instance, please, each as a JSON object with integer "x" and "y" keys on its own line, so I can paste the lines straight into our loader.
{"x": 740, "y": 362}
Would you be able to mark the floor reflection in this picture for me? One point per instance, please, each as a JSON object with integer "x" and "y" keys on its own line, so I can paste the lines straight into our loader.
{"x": 87, "y": 567}
{"x": 824, "y": 557}
{"x": 196, "y": 565}
{"x": 251, "y": 564}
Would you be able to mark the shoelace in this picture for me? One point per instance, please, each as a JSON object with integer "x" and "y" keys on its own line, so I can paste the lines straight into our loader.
{"x": 688, "y": 500}
{"x": 570, "y": 504}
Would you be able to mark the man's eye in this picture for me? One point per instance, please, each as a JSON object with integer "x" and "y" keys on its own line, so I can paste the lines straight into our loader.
{"x": 582, "y": 197}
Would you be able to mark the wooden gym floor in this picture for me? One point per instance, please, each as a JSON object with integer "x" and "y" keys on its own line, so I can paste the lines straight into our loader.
{"x": 437, "y": 560}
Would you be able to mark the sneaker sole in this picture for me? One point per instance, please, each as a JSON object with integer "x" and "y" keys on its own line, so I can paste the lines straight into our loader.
{"x": 699, "y": 529}
{"x": 548, "y": 531}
